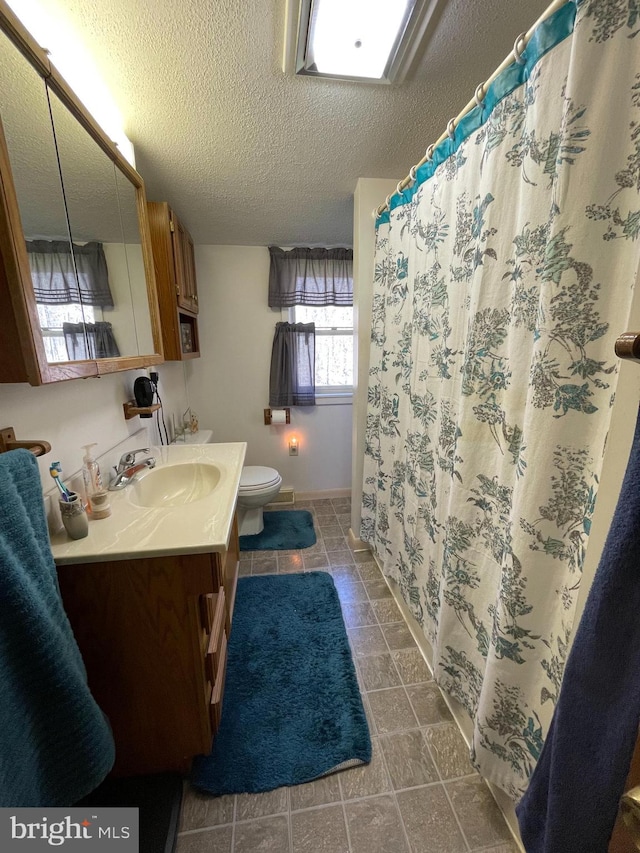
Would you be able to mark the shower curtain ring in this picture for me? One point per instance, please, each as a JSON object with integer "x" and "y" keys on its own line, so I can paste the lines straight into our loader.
{"x": 399, "y": 188}
{"x": 517, "y": 54}
{"x": 387, "y": 202}
{"x": 451, "y": 127}
{"x": 429, "y": 152}
{"x": 479, "y": 95}
{"x": 374, "y": 213}
{"x": 412, "y": 174}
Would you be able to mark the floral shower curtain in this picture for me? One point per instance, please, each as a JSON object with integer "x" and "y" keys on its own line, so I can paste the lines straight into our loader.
{"x": 502, "y": 277}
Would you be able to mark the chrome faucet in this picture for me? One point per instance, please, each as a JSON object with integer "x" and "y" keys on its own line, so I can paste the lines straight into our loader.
{"x": 127, "y": 468}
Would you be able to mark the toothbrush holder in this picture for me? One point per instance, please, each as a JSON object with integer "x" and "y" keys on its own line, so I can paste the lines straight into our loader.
{"x": 74, "y": 517}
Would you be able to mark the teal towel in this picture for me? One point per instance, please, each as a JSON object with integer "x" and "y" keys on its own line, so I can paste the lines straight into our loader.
{"x": 55, "y": 744}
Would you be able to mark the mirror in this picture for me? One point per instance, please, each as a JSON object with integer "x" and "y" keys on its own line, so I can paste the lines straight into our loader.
{"x": 24, "y": 108}
{"x": 98, "y": 242}
{"x": 88, "y": 276}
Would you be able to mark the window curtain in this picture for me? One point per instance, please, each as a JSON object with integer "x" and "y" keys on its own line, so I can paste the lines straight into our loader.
{"x": 292, "y": 379}
{"x": 89, "y": 340}
{"x": 503, "y": 276}
{"x": 54, "y": 276}
{"x": 310, "y": 277}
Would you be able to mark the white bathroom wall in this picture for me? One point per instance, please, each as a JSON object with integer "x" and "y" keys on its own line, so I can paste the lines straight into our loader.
{"x": 70, "y": 414}
{"x": 228, "y": 385}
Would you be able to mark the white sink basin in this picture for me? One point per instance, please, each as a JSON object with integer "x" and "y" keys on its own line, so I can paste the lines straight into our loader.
{"x": 174, "y": 485}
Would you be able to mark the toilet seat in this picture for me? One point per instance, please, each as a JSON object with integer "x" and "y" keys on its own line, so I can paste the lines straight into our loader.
{"x": 256, "y": 478}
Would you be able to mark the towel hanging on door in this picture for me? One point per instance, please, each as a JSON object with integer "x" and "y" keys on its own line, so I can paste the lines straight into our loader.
{"x": 572, "y": 799}
{"x": 55, "y": 744}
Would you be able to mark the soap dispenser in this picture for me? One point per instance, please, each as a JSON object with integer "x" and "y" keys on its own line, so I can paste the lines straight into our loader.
{"x": 97, "y": 495}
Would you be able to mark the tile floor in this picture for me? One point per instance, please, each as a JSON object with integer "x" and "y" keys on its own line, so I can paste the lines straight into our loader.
{"x": 420, "y": 794}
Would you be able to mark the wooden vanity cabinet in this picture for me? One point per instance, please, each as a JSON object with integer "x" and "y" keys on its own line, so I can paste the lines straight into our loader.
{"x": 153, "y": 634}
{"x": 175, "y": 271}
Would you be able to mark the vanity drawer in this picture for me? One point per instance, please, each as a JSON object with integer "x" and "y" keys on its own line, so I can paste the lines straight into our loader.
{"x": 216, "y": 638}
{"x": 215, "y": 706}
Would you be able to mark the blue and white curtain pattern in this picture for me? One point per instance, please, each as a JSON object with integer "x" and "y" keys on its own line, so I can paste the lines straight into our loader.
{"x": 502, "y": 278}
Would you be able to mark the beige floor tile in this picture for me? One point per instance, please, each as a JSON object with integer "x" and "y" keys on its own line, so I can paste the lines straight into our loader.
{"x": 216, "y": 840}
{"x": 340, "y": 558}
{"x": 290, "y": 563}
{"x": 315, "y": 561}
{"x": 411, "y": 666}
{"x": 449, "y": 750}
{"x": 200, "y": 810}
{"x": 429, "y": 821}
{"x": 391, "y": 710}
{"x": 350, "y": 591}
{"x": 318, "y": 793}
{"x": 251, "y": 806}
{"x": 479, "y": 816}
{"x": 408, "y": 759}
{"x": 357, "y": 615}
{"x": 507, "y": 847}
{"x": 244, "y": 569}
{"x": 367, "y": 641}
{"x": 378, "y": 589}
{"x": 367, "y": 710}
{"x": 343, "y": 517}
{"x": 398, "y": 636}
{"x": 330, "y": 529}
{"x": 264, "y": 565}
{"x": 366, "y": 780}
{"x": 368, "y": 571}
{"x": 268, "y": 835}
{"x": 378, "y": 672}
{"x": 375, "y": 826}
{"x": 345, "y": 573}
{"x": 386, "y": 610}
{"x": 335, "y": 543}
{"x": 428, "y": 703}
{"x": 319, "y": 831}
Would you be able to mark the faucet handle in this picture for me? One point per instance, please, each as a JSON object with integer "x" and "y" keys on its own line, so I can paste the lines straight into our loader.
{"x": 130, "y": 457}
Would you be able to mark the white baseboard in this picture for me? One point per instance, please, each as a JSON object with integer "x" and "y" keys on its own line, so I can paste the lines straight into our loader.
{"x": 320, "y": 495}
{"x": 458, "y": 712}
{"x": 356, "y": 544}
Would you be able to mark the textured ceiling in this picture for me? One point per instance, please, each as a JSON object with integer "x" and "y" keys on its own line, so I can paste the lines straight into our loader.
{"x": 249, "y": 156}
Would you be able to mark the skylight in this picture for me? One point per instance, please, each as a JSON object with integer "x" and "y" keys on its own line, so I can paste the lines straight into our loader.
{"x": 374, "y": 40}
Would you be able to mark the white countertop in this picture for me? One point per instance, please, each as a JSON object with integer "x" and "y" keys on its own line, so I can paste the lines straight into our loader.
{"x": 131, "y": 531}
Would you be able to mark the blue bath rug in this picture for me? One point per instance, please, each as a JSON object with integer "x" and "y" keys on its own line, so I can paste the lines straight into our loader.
{"x": 292, "y": 710}
{"x": 284, "y": 530}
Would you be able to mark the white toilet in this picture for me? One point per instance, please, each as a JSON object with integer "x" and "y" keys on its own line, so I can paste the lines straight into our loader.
{"x": 258, "y": 486}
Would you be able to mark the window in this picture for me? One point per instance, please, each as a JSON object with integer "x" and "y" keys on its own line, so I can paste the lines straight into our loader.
{"x": 334, "y": 346}
{"x": 51, "y": 319}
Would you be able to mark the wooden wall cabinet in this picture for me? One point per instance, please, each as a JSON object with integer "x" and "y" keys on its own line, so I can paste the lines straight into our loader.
{"x": 175, "y": 271}
{"x": 153, "y": 634}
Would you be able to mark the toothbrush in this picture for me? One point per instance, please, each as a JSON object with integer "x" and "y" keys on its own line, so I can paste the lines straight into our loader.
{"x": 54, "y": 470}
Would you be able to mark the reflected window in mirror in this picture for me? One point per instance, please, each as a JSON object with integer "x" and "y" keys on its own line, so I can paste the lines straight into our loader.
{"x": 71, "y": 288}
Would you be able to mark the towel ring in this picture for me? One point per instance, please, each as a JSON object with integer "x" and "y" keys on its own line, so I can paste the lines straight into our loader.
{"x": 517, "y": 54}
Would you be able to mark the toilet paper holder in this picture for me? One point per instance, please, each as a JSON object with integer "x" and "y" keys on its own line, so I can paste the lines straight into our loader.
{"x": 269, "y": 413}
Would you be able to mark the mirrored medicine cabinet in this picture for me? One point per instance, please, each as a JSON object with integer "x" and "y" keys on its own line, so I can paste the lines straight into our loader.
{"x": 77, "y": 287}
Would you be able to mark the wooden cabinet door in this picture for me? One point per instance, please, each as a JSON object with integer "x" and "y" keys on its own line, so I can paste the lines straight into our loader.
{"x": 186, "y": 289}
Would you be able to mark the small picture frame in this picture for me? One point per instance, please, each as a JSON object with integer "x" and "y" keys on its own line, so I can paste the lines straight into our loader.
{"x": 186, "y": 337}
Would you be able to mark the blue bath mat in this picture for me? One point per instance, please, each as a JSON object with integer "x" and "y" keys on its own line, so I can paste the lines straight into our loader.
{"x": 292, "y": 710}
{"x": 284, "y": 530}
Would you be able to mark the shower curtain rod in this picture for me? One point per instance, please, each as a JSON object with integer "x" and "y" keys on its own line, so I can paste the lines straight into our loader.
{"x": 519, "y": 45}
